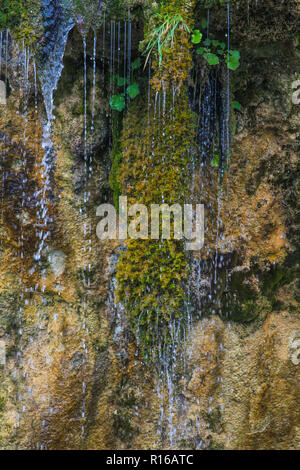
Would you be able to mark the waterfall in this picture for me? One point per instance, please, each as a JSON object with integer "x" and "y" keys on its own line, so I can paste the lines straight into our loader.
{"x": 50, "y": 66}
{"x": 57, "y": 26}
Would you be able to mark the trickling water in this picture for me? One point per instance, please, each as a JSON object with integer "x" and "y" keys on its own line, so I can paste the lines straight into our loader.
{"x": 103, "y": 48}
{"x": 207, "y": 28}
{"x": 94, "y": 80}
{"x": 49, "y": 71}
{"x": 113, "y": 50}
{"x": 85, "y": 278}
{"x": 228, "y": 89}
{"x": 1, "y": 40}
{"x": 51, "y": 60}
{"x": 149, "y": 89}
{"x": 111, "y": 56}
{"x": 85, "y": 107}
{"x": 125, "y": 52}
{"x": 6, "y": 57}
{"x": 119, "y": 48}
{"x": 129, "y": 48}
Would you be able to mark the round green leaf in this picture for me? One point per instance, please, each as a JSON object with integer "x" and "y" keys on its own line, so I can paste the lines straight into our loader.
{"x": 212, "y": 59}
{"x": 117, "y": 102}
{"x": 235, "y": 54}
{"x": 236, "y": 105}
{"x": 196, "y": 36}
{"x": 133, "y": 90}
{"x": 201, "y": 50}
{"x": 232, "y": 62}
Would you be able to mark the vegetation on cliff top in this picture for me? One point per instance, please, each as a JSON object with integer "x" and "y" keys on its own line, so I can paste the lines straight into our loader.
{"x": 22, "y": 18}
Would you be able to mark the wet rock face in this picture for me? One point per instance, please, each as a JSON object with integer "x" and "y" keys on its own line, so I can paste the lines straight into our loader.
{"x": 52, "y": 16}
{"x": 257, "y": 376}
{"x": 73, "y": 374}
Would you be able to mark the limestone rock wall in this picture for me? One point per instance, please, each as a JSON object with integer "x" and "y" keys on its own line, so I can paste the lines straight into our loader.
{"x": 73, "y": 376}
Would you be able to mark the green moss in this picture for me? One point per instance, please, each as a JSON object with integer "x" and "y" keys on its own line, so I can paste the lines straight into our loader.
{"x": 23, "y": 19}
{"x": 11, "y": 13}
{"x": 154, "y": 168}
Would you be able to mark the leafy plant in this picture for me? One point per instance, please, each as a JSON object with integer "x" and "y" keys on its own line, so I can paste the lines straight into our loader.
{"x": 233, "y": 60}
{"x": 212, "y": 59}
{"x": 133, "y": 90}
{"x": 163, "y": 35}
{"x": 236, "y": 105}
{"x": 215, "y": 160}
{"x": 214, "y": 51}
{"x": 117, "y": 102}
{"x": 196, "y": 36}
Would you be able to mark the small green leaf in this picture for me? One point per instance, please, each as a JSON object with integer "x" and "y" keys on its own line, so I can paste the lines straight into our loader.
{"x": 207, "y": 42}
{"x": 212, "y": 59}
{"x": 136, "y": 64}
{"x": 232, "y": 62}
{"x": 196, "y": 36}
{"x": 215, "y": 43}
{"x": 215, "y": 161}
{"x": 222, "y": 45}
{"x": 235, "y": 54}
{"x": 133, "y": 90}
{"x": 201, "y": 50}
{"x": 236, "y": 105}
{"x": 117, "y": 102}
{"x": 122, "y": 81}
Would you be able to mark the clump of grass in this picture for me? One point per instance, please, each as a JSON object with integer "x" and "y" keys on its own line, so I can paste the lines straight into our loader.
{"x": 163, "y": 35}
